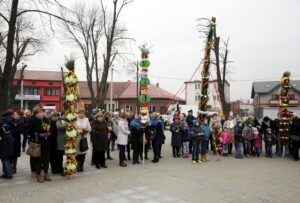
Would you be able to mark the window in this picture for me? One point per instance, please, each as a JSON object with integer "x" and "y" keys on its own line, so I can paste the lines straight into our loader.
{"x": 51, "y": 92}
{"x": 275, "y": 97}
{"x": 128, "y": 108}
{"x": 197, "y": 98}
{"x": 152, "y": 108}
{"x": 30, "y": 91}
{"x": 33, "y": 82}
{"x": 50, "y": 83}
{"x": 197, "y": 86}
{"x": 292, "y": 96}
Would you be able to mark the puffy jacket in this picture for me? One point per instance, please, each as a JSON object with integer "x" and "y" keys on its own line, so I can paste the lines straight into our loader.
{"x": 6, "y": 146}
{"x": 206, "y": 130}
{"x": 123, "y": 132}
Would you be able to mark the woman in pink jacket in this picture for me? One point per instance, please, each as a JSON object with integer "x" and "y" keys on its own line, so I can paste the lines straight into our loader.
{"x": 122, "y": 138}
{"x": 225, "y": 139}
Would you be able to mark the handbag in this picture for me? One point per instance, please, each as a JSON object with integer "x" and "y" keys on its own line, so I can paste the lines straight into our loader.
{"x": 295, "y": 138}
{"x": 34, "y": 149}
{"x": 83, "y": 144}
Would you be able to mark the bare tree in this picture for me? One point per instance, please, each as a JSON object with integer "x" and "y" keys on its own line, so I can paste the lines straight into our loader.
{"x": 114, "y": 38}
{"x": 221, "y": 61}
{"x": 85, "y": 35}
{"x": 100, "y": 37}
{"x": 16, "y": 9}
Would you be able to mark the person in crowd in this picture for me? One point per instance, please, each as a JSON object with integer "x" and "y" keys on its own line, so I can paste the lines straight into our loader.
{"x": 136, "y": 138}
{"x": 109, "y": 122}
{"x": 226, "y": 139}
{"x": 296, "y": 140}
{"x": 197, "y": 136}
{"x": 115, "y": 122}
{"x": 248, "y": 138}
{"x": 27, "y": 116}
{"x": 185, "y": 140}
{"x": 182, "y": 121}
{"x": 61, "y": 140}
{"x": 6, "y": 153}
{"x": 83, "y": 128}
{"x": 16, "y": 128}
{"x": 145, "y": 142}
{"x": 230, "y": 123}
{"x": 266, "y": 123}
{"x": 122, "y": 138}
{"x": 275, "y": 129}
{"x": 269, "y": 139}
{"x": 53, "y": 150}
{"x": 189, "y": 119}
{"x": 158, "y": 137}
{"x": 39, "y": 128}
{"x": 216, "y": 134}
{"x": 204, "y": 142}
{"x": 214, "y": 119}
{"x": 176, "y": 139}
{"x": 257, "y": 139}
{"x": 93, "y": 115}
{"x": 239, "y": 140}
{"x": 128, "y": 146}
{"x": 99, "y": 140}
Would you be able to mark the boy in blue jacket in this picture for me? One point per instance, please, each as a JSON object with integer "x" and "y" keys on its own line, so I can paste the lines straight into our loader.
{"x": 204, "y": 143}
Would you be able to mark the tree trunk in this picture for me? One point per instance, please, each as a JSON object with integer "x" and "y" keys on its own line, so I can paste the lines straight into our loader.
{"x": 221, "y": 81}
{"x": 7, "y": 75}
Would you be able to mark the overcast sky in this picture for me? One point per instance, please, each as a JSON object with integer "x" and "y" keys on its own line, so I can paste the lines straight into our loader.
{"x": 264, "y": 40}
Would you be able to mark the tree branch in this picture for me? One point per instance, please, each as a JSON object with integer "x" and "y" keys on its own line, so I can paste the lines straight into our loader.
{"x": 4, "y": 17}
{"x": 47, "y": 13}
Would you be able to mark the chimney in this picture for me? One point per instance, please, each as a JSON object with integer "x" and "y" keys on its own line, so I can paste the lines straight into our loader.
{"x": 157, "y": 84}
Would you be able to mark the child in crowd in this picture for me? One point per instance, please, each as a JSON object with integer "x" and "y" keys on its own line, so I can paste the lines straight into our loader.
{"x": 185, "y": 140}
{"x": 197, "y": 136}
{"x": 257, "y": 141}
{"x": 176, "y": 139}
{"x": 269, "y": 139}
{"x": 239, "y": 140}
{"x": 225, "y": 139}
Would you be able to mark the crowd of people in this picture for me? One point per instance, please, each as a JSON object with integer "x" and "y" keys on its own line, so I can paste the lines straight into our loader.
{"x": 106, "y": 130}
{"x": 122, "y": 131}
{"x": 195, "y": 135}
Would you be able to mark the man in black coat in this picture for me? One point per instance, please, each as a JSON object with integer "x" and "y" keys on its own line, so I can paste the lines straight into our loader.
{"x": 189, "y": 119}
{"x": 296, "y": 140}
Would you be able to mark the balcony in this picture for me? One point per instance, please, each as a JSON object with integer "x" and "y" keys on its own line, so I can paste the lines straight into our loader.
{"x": 28, "y": 97}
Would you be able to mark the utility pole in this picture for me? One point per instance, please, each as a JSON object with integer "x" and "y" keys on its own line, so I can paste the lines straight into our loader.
{"x": 137, "y": 88}
{"x": 111, "y": 88}
{"x": 22, "y": 94}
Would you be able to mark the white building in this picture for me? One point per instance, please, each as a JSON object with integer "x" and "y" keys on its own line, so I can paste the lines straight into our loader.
{"x": 193, "y": 94}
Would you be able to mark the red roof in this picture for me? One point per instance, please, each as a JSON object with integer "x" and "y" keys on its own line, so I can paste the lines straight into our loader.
{"x": 121, "y": 90}
{"x": 118, "y": 87}
{"x": 40, "y": 75}
{"x": 154, "y": 92}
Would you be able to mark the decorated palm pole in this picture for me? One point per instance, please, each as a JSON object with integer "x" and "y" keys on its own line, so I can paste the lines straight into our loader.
{"x": 283, "y": 110}
{"x": 205, "y": 71}
{"x": 144, "y": 98}
{"x": 70, "y": 116}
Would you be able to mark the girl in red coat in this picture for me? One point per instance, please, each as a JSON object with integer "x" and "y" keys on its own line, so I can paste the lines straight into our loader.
{"x": 225, "y": 139}
{"x": 257, "y": 141}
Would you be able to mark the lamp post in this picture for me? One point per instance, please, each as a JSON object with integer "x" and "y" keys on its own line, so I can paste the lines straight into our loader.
{"x": 137, "y": 88}
{"x": 111, "y": 88}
